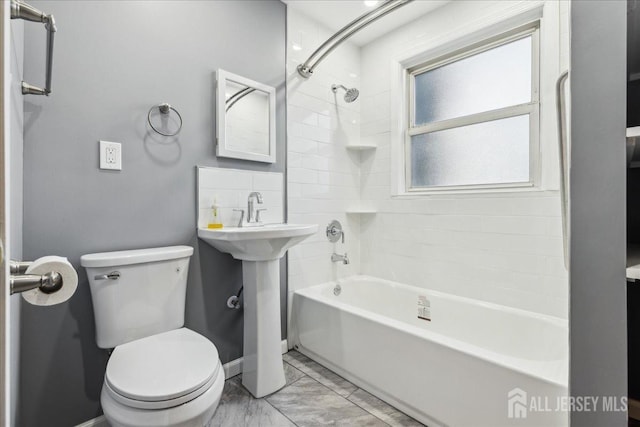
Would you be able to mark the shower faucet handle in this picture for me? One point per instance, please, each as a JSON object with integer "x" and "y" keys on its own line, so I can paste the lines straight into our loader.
{"x": 334, "y": 231}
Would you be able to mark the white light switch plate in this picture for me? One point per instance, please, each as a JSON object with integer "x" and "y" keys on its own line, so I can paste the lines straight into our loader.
{"x": 110, "y": 155}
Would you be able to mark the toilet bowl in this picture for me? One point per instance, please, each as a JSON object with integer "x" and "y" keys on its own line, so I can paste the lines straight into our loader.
{"x": 169, "y": 379}
{"x": 159, "y": 373}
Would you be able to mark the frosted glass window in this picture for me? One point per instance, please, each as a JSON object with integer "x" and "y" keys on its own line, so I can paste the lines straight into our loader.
{"x": 495, "y": 152}
{"x": 474, "y": 118}
{"x": 489, "y": 80}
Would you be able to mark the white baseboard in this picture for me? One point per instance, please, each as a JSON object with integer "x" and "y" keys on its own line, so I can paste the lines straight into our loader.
{"x": 100, "y": 421}
{"x": 233, "y": 368}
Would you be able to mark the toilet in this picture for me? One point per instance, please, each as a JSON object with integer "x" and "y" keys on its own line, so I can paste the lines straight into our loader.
{"x": 159, "y": 373}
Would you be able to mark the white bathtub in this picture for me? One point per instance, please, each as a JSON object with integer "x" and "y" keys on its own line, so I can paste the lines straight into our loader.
{"x": 455, "y": 370}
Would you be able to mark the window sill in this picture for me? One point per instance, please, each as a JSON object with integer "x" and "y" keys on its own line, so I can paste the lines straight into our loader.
{"x": 489, "y": 192}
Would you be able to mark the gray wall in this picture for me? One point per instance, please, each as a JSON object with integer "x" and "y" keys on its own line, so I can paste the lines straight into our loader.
{"x": 15, "y": 123}
{"x": 113, "y": 61}
{"x": 598, "y": 333}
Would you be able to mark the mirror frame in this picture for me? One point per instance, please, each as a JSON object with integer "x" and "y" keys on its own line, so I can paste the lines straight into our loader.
{"x": 222, "y": 150}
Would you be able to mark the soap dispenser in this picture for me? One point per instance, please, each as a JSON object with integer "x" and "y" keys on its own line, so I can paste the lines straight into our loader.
{"x": 215, "y": 218}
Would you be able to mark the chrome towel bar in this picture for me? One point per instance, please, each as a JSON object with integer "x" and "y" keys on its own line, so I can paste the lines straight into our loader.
{"x": 20, "y": 10}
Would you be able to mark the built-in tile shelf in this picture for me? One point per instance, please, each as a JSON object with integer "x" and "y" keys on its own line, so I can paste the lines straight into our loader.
{"x": 362, "y": 211}
{"x": 361, "y": 147}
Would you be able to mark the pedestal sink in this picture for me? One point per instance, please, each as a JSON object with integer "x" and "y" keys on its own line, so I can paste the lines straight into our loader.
{"x": 260, "y": 248}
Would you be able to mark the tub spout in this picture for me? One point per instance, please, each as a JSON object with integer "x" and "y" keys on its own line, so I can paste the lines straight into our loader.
{"x": 340, "y": 258}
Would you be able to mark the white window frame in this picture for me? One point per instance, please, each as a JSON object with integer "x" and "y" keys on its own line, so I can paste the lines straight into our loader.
{"x": 498, "y": 21}
{"x": 531, "y": 108}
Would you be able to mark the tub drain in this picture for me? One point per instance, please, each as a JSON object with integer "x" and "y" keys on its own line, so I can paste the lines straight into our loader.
{"x": 337, "y": 290}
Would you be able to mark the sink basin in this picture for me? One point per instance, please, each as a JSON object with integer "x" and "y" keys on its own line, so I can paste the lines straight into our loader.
{"x": 262, "y": 243}
{"x": 260, "y": 248}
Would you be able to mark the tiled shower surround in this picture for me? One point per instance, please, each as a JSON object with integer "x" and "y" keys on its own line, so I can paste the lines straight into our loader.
{"x": 500, "y": 247}
{"x": 323, "y": 177}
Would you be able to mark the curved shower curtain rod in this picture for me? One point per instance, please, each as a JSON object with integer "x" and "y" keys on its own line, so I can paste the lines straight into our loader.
{"x": 306, "y": 68}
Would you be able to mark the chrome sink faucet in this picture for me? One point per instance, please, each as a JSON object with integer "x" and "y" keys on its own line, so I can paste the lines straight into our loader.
{"x": 340, "y": 258}
{"x": 250, "y": 211}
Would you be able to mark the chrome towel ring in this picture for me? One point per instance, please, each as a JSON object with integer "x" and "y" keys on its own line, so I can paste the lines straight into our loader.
{"x": 164, "y": 108}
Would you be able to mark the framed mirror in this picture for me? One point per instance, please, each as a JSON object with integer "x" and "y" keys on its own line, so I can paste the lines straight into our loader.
{"x": 245, "y": 118}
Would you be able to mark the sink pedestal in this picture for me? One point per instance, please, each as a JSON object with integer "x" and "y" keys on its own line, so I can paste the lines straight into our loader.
{"x": 260, "y": 249}
{"x": 262, "y": 371}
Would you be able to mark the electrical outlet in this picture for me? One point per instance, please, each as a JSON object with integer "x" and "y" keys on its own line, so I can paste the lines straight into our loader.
{"x": 110, "y": 155}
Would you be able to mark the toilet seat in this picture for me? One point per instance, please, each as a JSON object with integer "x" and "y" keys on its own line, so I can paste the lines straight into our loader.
{"x": 163, "y": 370}
{"x": 161, "y": 404}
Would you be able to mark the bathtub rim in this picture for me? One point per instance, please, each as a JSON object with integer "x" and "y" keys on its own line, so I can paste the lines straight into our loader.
{"x": 504, "y": 361}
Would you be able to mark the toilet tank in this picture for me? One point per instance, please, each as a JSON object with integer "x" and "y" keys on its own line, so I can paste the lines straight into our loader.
{"x": 137, "y": 293}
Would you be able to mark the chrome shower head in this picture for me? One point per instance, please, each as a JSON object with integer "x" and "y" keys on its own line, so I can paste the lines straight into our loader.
{"x": 350, "y": 95}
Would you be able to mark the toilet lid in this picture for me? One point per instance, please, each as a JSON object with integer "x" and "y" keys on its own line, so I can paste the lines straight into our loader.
{"x": 162, "y": 367}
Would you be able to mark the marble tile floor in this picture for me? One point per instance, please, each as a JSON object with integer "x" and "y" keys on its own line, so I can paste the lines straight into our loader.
{"x": 312, "y": 396}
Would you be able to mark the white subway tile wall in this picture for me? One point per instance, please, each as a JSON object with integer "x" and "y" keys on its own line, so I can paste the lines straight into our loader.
{"x": 503, "y": 248}
{"x": 323, "y": 177}
{"x": 229, "y": 189}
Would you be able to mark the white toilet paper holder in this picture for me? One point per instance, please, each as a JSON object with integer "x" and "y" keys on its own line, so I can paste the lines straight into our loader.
{"x": 21, "y": 282}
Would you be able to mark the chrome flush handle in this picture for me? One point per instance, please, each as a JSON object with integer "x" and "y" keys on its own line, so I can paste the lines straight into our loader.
{"x": 114, "y": 275}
